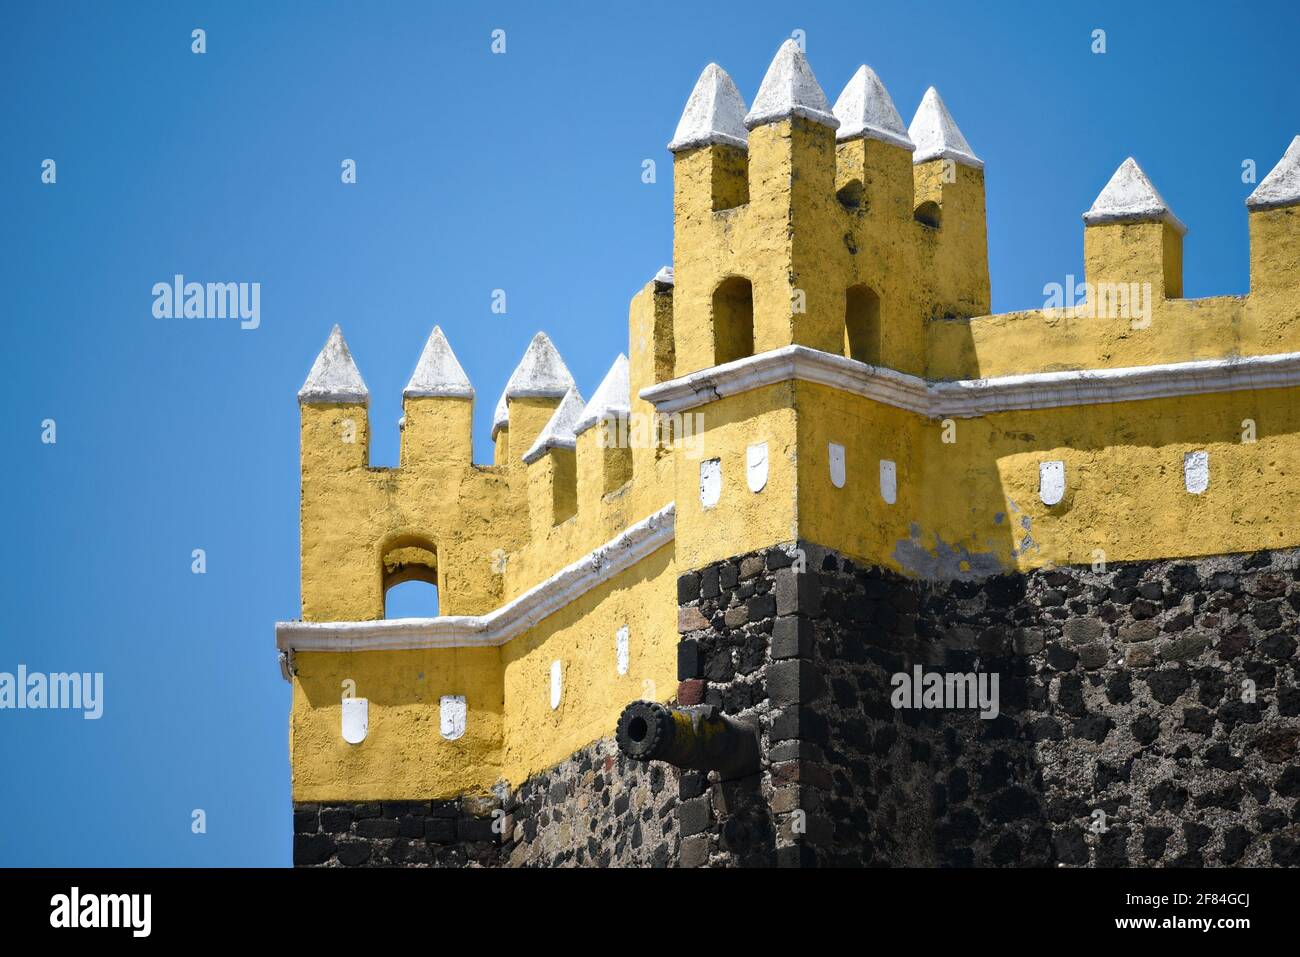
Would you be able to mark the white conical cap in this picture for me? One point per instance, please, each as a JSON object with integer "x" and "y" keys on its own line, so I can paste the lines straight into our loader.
{"x": 936, "y": 135}
{"x": 664, "y": 277}
{"x": 334, "y": 377}
{"x": 1281, "y": 187}
{"x": 790, "y": 89}
{"x": 865, "y": 109}
{"x": 558, "y": 433}
{"x": 715, "y": 113}
{"x": 438, "y": 373}
{"x": 1129, "y": 197}
{"x": 612, "y": 397}
{"x": 541, "y": 373}
{"x": 500, "y": 415}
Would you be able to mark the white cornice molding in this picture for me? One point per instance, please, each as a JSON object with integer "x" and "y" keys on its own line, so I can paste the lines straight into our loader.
{"x": 968, "y": 398}
{"x": 495, "y": 628}
{"x": 782, "y": 365}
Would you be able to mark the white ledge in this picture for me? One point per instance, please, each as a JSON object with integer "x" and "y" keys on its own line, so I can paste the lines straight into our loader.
{"x": 495, "y": 628}
{"x": 968, "y": 398}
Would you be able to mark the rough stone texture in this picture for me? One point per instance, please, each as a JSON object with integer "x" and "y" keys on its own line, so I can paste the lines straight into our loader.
{"x": 1121, "y": 692}
{"x": 744, "y": 653}
{"x": 1161, "y": 742}
{"x": 456, "y": 833}
{"x": 597, "y": 809}
{"x": 594, "y": 809}
{"x": 1127, "y": 732}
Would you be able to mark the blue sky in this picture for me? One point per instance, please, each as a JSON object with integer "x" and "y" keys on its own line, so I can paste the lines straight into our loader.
{"x": 476, "y": 172}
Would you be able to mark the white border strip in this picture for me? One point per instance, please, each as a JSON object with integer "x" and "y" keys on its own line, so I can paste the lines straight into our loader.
{"x": 495, "y": 628}
{"x": 967, "y": 398}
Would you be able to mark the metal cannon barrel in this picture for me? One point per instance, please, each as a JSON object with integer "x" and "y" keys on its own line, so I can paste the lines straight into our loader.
{"x": 696, "y": 738}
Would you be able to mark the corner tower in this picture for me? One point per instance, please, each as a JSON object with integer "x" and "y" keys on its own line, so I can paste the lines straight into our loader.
{"x": 836, "y": 229}
{"x": 862, "y": 477}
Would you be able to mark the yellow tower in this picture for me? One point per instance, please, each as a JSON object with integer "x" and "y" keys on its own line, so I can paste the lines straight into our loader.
{"x": 820, "y": 465}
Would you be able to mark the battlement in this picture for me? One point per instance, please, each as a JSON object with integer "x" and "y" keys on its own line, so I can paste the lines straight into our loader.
{"x": 801, "y": 223}
{"x": 561, "y": 482}
{"x": 816, "y": 365}
{"x": 796, "y": 224}
{"x": 836, "y": 228}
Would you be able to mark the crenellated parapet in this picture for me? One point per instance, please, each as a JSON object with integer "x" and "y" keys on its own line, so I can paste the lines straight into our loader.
{"x": 1127, "y": 308}
{"x": 560, "y": 484}
{"x": 816, "y": 365}
{"x": 796, "y": 220}
{"x": 836, "y": 228}
{"x": 365, "y": 528}
{"x": 1274, "y": 209}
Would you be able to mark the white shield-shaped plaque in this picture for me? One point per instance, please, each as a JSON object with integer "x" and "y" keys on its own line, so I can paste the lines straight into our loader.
{"x": 837, "y": 464}
{"x": 451, "y": 716}
{"x": 621, "y": 655}
{"x": 1051, "y": 482}
{"x": 356, "y": 720}
{"x": 710, "y": 482}
{"x": 888, "y": 481}
{"x": 756, "y": 466}
{"x": 557, "y": 683}
{"x": 1196, "y": 471}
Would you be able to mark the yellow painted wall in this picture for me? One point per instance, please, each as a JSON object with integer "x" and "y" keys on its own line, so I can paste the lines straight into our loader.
{"x": 804, "y": 219}
{"x": 404, "y": 755}
{"x": 1264, "y": 322}
{"x": 511, "y": 729}
{"x": 802, "y": 247}
{"x": 854, "y": 519}
{"x": 742, "y": 520}
{"x": 352, "y": 513}
{"x": 975, "y": 503}
{"x": 582, "y": 637}
{"x": 493, "y": 530}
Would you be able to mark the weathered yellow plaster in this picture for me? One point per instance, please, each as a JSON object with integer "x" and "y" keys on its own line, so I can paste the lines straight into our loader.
{"x": 742, "y": 520}
{"x": 1263, "y": 322}
{"x": 404, "y": 755}
{"x": 819, "y": 220}
{"x": 973, "y": 505}
{"x": 803, "y": 220}
{"x": 582, "y": 637}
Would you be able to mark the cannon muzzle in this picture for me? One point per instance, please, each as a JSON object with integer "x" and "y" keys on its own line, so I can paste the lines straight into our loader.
{"x": 696, "y": 738}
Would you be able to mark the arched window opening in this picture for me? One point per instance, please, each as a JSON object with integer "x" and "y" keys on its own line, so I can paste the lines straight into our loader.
{"x": 852, "y": 195}
{"x": 862, "y": 325}
{"x": 927, "y": 214}
{"x": 733, "y": 320}
{"x": 410, "y": 579}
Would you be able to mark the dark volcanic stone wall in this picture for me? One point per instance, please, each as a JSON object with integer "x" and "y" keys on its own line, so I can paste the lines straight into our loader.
{"x": 1162, "y": 694}
{"x": 594, "y": 809}
{"x": 455, "y": 833}
{"x": 597, "y": 809}
{"x": 1149, "y": 712}
{"x": 1149, "y": 716}
{"x": 741, "y": 624}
